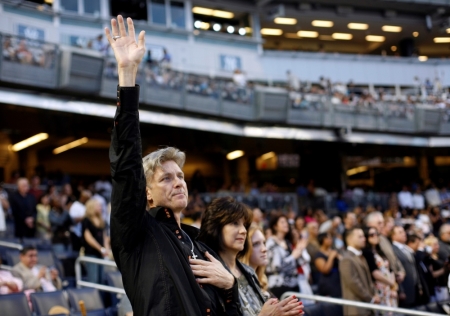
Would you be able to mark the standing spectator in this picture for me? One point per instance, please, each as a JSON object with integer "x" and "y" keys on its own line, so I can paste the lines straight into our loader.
{"x": 445, "y": 196}
{"x": 411, "y": 285}
{"x": 23, "y": 206}
{"x": 432, "y": 196}
{"x": 4, "y": 207}
{"x": 166, "y": 60}
{"x": 256, "y": 256}
{"x": 444, "y": 242}
{"x": 94, "y": 239}
{"x": 34, "y": 276}
{"x": 293, "y": 81}
{"x": 60, "y": 222}
{"x": 356, "y": 280}
{"x": 350, "y": 221}
{"x": 99, "y": 45}
{"x": 43, "y": 227}
{"x": 439, "y": 270}
{"x": 413, "y": 243}
{"x": 239, "y": 79}
{"x": 405, "y": 198}
{"x": 299, "y": 225}
{"x": 380, "y": 270}
{"x": 313, "y": 245}
{"x": 35, "y": 189}
{"x": 76, "y": 212}
{"x": 376, "y": 220}
{"x": 282, "y": 268}
{"x": 327, "y": 264}
{"x": 418, "y": 199}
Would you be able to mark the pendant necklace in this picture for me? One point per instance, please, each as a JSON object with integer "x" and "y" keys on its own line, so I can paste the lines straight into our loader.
{"x": 194, "y": 256}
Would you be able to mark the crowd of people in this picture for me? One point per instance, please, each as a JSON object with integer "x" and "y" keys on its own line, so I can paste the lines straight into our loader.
{"x": 28, "y": 52}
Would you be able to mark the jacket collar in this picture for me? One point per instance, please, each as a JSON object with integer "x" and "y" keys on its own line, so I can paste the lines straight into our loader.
{"x": 165, "y": 216}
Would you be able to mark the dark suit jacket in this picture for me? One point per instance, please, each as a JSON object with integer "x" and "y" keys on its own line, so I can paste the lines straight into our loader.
{"x": 356, "y": 283}
{"x": 23, "y": 207}
{"x": 411, "y": 282}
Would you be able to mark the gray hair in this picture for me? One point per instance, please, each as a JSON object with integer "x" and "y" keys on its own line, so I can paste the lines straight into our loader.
{"x": 157, "y": 158}
{"x": 372, "y": 216}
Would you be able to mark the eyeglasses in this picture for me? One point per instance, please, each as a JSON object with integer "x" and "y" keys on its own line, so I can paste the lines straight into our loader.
{"x": 373, "y": 234}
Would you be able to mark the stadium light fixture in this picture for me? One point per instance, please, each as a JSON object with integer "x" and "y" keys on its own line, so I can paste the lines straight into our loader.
{"x": 201, "y": 25}
{"x": 358, "y": 26}
{"x": 448, "y": 30}
{"x": 70, "y": 145}
{"x": 308, "y": 34}
{"x": 272, "y": 32}
{"x": 29, "y": 141}
{"x": 242, "y": 31}
{"x": 439, "y": 40}
{"x": 321, "y": 23}
{"x": 212, "y": 12}
{"x": 48, "y": 1}
{"x": 230, "y": 29}
{"x": 394, "y": 48}
{"x": 375, "y": 38}
{"x": 235, "y": 154}
{"x": 248, "y": 29}
{"x": 268, "y": 155}
{"x": 217, "y": 27}
{"x": 357, "y": 170}
{"x": 285, "y": 21}
{"x": 342, "y": 36}
{"x": 423, "y": 58}
{"x": 391, "y": 28}
{"x": 415, "y": 34}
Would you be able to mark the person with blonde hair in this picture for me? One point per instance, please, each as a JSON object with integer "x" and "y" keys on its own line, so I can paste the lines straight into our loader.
{"x": 438, "y": 269}
{"x": 95, "y": 241}
{"x": 256, "y": 256}
{"x": 156, "y": 254}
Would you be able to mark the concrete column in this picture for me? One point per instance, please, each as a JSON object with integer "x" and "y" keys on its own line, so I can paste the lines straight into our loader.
{"x": 423, "y": 169}
{"x": 243, "y": 170}
{"x": 31, "y": 162}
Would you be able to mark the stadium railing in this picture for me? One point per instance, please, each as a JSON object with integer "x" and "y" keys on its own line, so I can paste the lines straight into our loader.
{"x": 374, "y": 307}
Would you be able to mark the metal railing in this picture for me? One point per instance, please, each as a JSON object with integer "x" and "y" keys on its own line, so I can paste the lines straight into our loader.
{"x": 12, "y": 245}
{"x": 101, "y": 287}
{"x": 374, "y": 307}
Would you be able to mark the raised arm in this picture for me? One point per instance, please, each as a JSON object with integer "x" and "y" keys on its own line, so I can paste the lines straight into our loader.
{"x": 128, "y": 200}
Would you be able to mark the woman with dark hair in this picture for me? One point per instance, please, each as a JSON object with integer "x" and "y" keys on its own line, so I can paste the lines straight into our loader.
{"x": 327, "y": 263}
{"x": 224, "y": 230}
{"x": 379, "y": 267}
{"x": 282, "y": 270}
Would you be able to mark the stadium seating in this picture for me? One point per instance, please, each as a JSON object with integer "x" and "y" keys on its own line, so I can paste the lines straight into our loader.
{"x": 44, "y": 302}
{"x": 114, "y": 278}
{"x": 14, "y": 305}
{"x": 90, "y": 297}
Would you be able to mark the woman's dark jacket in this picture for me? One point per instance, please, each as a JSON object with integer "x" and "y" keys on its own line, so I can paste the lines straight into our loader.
{"x": 147, "y": 245}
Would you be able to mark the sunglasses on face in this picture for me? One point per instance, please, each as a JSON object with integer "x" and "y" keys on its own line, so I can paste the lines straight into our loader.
{"x": 374, "y": 234}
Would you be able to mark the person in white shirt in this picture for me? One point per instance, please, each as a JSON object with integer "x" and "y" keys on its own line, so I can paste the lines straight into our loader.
{"x": 405, "y": 198}
{"x": 432, "y": 196}
{"x": 4, "y": 206}
{"x": 418, "y": 200}
{"x": 293, "y": 81}
{"x": 76, "y": 212}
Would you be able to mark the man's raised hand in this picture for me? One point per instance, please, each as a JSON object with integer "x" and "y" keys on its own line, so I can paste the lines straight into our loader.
{"x": 127, "y": 51}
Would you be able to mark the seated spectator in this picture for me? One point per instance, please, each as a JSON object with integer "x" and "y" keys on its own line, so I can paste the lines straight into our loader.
{"x": 327, "y": 264}
{"x": 35, "y": 277}
{"x": 95, "y": 242}
{"x": 418, "y": 199}
{"x": 445, "y": 196}
{"x": 380, "y": 269}
{"x": 432, "y": 196}
{"x": 60, "y": 222}
{"x": 43, "y": 227}
{"x": 8, "y": 283}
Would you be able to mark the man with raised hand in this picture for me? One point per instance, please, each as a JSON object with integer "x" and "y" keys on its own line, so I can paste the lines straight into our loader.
{"x": 153, "y": 251}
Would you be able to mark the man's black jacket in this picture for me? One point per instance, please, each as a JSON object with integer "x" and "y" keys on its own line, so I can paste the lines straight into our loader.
{"x": 147, "y": 245}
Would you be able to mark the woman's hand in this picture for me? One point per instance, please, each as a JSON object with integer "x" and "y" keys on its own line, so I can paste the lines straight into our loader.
{"x": 212, "y": 272}
{"x": 288, "y": 306}
{"x": 127, "y": 51}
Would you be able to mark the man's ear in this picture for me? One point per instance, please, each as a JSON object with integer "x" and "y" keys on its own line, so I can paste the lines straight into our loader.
{"x": 148, "y": 192}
